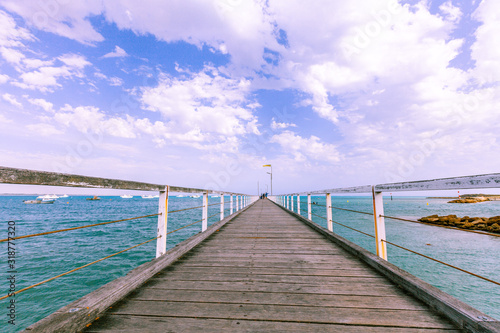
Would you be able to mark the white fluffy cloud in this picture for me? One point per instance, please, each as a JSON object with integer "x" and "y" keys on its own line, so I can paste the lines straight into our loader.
{"x": 10, "y": 34}
{"x": 207, "y": 101}
{"x": 4, "y": 78}
{"x": 89, "y": 119}
{"x": 277, "y": 125}
{"x": 117, "y": 53}
{"x": 40, "y": 102}
{"x": 47, "y": 78}
{"x": 64, "y": 18}
{"x": 241, "y": 28}
{"x": 12, "y": 55}
{"x": 113, "y": 81}
{"x": 486, "y": 49}
{"x": 44, "y": 129}
{"x": 304, "y": 149}
{"x": 12, "y": 100}
{"x": 380, "y": 72}
{"x": 335, "y": 54}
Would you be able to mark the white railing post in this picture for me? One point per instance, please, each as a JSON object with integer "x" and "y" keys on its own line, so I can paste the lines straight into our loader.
{"x": 204, "y": 223}
{"x": 378, "y": 212}
{"x": 161, "y": 241}
{"x": 329, "y": 211}
{"x": 222, "y": 206}
{"x": 288, "y": 202}
{"x": 298, "y": 204}
{"x": 309, "y": 210}
{"x": 292, "y": 202}
{"x": 231, "y": 204}
{"x": 237, "y": 203}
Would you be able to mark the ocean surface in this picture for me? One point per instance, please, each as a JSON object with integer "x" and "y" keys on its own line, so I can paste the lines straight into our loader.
{"x": 43, "y": 257}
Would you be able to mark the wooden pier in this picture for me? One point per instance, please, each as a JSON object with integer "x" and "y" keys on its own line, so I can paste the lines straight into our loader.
{"x": 266, "y": 270}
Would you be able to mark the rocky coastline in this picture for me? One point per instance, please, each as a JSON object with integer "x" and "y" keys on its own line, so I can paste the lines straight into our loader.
{"x": 470, "y": 200}
{"x": 488, "y": 224}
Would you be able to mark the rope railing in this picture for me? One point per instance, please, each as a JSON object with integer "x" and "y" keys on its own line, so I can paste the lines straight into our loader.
{"x": 324, "y": 218}
{"x": 75, "y": 269}
{"x": 442, "y": 226}
{"x": 402, "y": 247}
{"x": 102, "y": 223}
{"x": 361, "y": 232}
{"x": 364, "y": 233}
{"x": 195, "y": 222}
{"x": 236, "y": 203}
{"x": 408, "y": 220}
{"x": 442, "y": 262}
{"x": 96, "y": 261}
{"x": 184, "y": 209}
{"x": 76, "y": 228}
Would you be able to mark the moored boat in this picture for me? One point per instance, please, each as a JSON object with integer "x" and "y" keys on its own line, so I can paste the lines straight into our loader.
{"x": 38, "y": 201}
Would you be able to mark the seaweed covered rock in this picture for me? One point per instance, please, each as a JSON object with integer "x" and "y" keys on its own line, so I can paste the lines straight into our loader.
{"x": 469, "y": 200}
{"x": 491, "y": 224}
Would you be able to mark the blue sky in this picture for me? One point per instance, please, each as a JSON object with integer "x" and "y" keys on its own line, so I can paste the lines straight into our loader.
{"x": 203, "y": 93}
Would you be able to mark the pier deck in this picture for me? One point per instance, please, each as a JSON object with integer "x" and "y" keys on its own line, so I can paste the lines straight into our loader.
{"x": 268, "y": 271}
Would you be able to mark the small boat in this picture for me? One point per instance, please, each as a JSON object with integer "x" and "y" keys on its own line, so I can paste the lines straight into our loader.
{"x": 147, "y": 197}
{"x": 64, "y": 196}
{"x": 194, "y": 196}
{"x": 126, "y": 196}
{"x": 48, "y": 197}
{"x": 180, "y": 196}
{"x": 38, "y": 201}
{"x": 94, "y": 198}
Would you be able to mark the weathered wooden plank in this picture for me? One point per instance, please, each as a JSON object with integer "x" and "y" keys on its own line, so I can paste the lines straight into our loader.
{"x": 278, "y": 261}
{"x": 77, "y": 315}
{"x": 236, "y": 297}
{"x": 329, "y": 257}
{"x": 265, "y": 264}
{"x": 460, "y": 313}
{"x": 331, "y": 289}
{"x": 267, "y": 270}
{"x": 269, "y": 290}
{"x": 217, "y": 250}
{"x": 273, "y": 278}
{"x": 140, "y": 324}
{"x": 352, "y": 316}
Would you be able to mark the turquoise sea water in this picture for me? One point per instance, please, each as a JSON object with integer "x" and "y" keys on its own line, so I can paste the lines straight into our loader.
{"x": 477, "y": 253}
{"x": 43, "y": 257}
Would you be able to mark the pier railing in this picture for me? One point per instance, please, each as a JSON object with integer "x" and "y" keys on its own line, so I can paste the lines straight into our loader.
{"x": 293, "y": 201}
{"x": 235, "y": 202}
